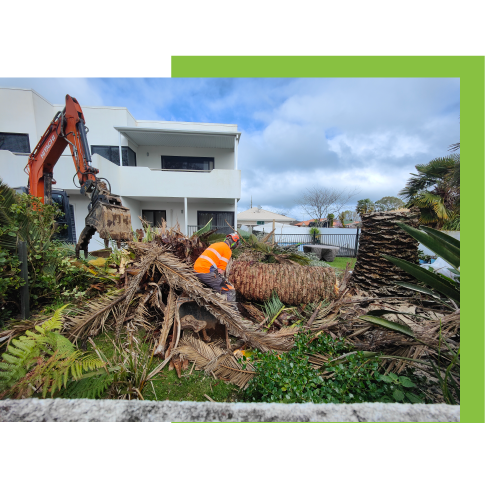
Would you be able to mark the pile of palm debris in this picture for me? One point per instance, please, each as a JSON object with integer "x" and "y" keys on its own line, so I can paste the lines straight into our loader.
{"x": 159, "y": 293}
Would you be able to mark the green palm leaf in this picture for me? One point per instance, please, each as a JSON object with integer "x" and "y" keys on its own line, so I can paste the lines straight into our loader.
{"x": 439, "y": 245}
{"x": 433, "y": 280}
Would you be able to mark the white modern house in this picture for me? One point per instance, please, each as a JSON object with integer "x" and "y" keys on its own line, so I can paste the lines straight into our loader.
{"x": 185, "y": 173}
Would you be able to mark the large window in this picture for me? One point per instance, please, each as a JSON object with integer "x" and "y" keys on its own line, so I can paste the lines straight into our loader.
{"x": 187, "y": 163}
{"x": 112, "y": 153}
{"x": 218, "y": 220}
{"x": 15, "y": 143}
{"x": 154, "y": 217}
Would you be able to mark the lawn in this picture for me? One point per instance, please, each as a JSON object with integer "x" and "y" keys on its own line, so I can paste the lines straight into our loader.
{"x": 341, "y": 262}
{"x": 167, "y": 386}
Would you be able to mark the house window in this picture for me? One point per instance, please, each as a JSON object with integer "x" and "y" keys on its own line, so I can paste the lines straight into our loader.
{"x": 112, "y": 153}
{"x": 260, "y": 222}
{"x": 187, "y": 163}
{"x": 218, "y": 220}
{"x": 15, "y": 143}
{"x": 154, "y": 217}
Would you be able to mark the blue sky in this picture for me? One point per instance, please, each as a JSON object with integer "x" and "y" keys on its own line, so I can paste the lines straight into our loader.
{"x": 363, "y": 134}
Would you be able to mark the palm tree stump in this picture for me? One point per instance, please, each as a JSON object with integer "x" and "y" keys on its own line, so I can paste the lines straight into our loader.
{"x": 379, "y": 236}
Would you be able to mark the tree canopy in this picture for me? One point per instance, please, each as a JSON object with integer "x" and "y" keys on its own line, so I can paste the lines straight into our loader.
{"x": 435, "y": 189}
{"x": 388, "y": 203}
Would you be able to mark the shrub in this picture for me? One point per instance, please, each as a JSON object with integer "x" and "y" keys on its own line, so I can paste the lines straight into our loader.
{"x": 354, "y": 378}
{"x": 52, "y": 270}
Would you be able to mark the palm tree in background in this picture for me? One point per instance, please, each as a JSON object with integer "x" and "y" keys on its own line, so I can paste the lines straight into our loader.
{"x": 435, "y": 189}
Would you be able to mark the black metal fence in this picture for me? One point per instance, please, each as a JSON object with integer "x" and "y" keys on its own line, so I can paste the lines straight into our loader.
{"x": 348, "y": 243}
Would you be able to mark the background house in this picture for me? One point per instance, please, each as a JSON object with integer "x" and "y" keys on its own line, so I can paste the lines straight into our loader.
{"x": 183, "y": 172}
{"x": 313, "y": 223}
{"x": 257, "y": 216}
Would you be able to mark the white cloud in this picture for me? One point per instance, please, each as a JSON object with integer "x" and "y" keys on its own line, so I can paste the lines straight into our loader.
{"x": 55, "y": 89}
{"x": 296, "y": 133}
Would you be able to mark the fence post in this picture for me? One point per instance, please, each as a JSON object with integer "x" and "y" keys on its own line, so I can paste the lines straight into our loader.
{"x": 22, "y": 252}
{"x": 356, "y": 244}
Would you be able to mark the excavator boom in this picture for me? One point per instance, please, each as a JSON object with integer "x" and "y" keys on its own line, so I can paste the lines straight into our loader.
{"x": 107, "y": 215}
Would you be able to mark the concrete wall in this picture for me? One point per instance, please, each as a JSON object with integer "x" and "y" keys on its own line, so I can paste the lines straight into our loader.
{"x": 89, "y": 410}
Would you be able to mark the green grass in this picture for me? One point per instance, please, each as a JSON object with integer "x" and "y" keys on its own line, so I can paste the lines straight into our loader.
{"x": 341, "y": 262}
{"x": 166, "y": 386}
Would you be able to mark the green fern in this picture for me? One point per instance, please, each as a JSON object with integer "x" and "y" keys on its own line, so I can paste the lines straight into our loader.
{"x": 54, "y": 323}
{"x": 92, "y": 385}
{"x": 43, "y": 362}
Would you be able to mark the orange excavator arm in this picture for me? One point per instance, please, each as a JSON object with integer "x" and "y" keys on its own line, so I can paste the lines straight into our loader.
{"x": 106, "y": 213}
{"x": 67, "y": 128}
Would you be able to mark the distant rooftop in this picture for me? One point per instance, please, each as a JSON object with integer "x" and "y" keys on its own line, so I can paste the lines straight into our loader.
{"x": 259, "y": 214}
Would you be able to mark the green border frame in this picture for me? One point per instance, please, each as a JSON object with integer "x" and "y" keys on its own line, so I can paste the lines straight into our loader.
{"x": 471, "y": 71}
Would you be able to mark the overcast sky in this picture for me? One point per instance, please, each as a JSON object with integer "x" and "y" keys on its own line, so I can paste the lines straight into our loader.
{"x": 296, "y": 133}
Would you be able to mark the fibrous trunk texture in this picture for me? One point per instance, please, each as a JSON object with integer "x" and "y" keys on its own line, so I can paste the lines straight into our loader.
{"x": 380, "y": 235}
{"x": 294, "y": 285}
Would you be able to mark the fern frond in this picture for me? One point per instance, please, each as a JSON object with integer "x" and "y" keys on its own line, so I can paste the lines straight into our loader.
{"x": 43, "y": 363}
{"x": 62, "y": 344}
{"x": 91, "y": 387}
{"x": 53, "y": 323}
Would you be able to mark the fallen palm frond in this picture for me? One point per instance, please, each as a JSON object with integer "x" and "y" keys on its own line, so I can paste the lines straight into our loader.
{"x": 213, "y": 359}
{"x": 169, "y": 313}
{"x": 143, "y": 267}
{"x": 92, "y": 318}
{"x": 180, "y": 276}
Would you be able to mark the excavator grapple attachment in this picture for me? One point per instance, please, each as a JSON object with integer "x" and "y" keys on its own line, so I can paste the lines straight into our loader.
{"x": 112, "y": 222}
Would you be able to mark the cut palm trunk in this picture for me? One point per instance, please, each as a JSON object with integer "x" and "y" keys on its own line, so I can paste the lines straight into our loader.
{"x": 294, "y": 285}
{"x": 380, "y": 235}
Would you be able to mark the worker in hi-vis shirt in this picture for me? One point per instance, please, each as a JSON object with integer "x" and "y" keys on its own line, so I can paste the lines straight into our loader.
{"x": 211, "y": 265}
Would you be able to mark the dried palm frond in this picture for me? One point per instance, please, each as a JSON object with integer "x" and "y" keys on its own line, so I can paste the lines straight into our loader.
{"x": 142, "y": 314}
{"x": 143, "y": 267}
{"x": 92, "y": 318}
{"x": 168, "y": 319}
{"x": 181, "y": 276}
{"x": 254, "y": 312}
{"x": 212, "y": 358}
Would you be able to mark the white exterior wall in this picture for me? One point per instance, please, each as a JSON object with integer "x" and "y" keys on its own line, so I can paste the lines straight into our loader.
{"x": 133, "y": 181}
{"x": 17, "y": 114}
{"x": 223, "y": 158}
{"x": 24, "y": 111}
{"x": 135, "y": 211}
{"x": 141, "y": 181}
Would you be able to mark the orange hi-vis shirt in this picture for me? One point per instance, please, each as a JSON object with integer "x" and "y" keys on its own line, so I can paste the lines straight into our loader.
{"x": 217, "y": 255}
